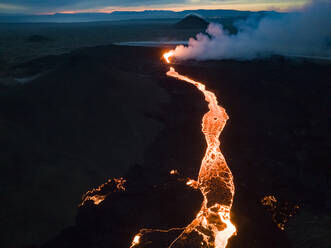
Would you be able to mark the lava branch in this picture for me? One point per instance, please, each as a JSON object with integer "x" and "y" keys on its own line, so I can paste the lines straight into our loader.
{"x": 137, "y": 237}
{"x": 215, "y": 181}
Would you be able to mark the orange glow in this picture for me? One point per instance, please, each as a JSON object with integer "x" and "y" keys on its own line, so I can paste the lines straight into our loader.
{"x": 174, "y": 172}
{"x": 105, "y": 11}
{"x": 215, "y": 180}
{"x": 97, "y": 199}
{"x": 214, "y": 176}
{"x": 167, "y": 56}
{"x": 281, "y": 212}
{"x": 286, "y": 5}
{"x": 135, "y": 241}
{"x": 192, "y": 183}
{"x": 96, "y": 194}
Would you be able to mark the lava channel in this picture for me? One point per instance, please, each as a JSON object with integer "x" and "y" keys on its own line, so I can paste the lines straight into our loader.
{"x": 215, "y": 181}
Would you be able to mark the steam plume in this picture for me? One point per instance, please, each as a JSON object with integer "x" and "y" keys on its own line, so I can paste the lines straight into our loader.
{"x": 306, "y": 32}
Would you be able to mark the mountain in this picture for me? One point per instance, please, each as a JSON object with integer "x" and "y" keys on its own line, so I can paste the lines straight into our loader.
{"x": 192, "y": 21}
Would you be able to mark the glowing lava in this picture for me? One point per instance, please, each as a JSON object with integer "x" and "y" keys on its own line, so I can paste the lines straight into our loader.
{"x": 136, "y": 240}
{"x": 212, "y": 224}
{"x": 97, "y": 195}
{"x": 167, "y": 56}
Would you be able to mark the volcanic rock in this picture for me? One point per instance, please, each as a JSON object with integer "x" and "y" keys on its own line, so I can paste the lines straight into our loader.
{"x": 192, "y": 21}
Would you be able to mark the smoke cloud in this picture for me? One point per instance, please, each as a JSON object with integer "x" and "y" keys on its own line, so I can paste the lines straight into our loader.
{"x": 306, "y": 32}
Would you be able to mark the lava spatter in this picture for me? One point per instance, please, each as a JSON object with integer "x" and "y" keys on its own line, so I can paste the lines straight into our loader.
{"x": 215, "y": 181}
{"x": 98, "y": 195}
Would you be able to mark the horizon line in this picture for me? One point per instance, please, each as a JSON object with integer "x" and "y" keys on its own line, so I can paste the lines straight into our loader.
{"x": 133, "y": 11}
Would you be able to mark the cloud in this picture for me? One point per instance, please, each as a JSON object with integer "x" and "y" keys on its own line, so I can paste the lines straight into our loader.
{"x": 306, "y": 33}
{"x": 57, "y": 5}
{"x": 38, "y": 6}
{"x": 8, "y": 8}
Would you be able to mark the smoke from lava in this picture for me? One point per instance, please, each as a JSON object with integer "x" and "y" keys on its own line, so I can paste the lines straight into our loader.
{"x": 305, "y": 32}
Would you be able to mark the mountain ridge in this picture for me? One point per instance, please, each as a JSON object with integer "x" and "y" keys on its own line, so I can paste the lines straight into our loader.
{"x": 125, "y": 15}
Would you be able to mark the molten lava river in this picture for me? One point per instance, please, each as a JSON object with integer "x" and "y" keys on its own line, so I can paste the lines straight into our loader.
{"x": 215, "y": 180}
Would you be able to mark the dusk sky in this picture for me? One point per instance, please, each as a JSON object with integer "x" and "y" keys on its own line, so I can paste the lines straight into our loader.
{"x": 72, "y": 6}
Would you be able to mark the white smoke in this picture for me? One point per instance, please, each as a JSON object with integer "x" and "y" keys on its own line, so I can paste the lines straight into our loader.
{"x": 306, "y": 32}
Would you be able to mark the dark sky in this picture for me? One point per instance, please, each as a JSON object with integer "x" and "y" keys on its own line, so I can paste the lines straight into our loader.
{"x": 52, "y": 6}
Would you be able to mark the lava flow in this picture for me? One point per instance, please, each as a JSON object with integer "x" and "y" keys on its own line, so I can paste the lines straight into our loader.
{"x": 212, "y": 224}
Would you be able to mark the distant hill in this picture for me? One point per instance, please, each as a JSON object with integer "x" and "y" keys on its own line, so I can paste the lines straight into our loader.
{"x": 192, "y": 21}
{"x": 125, "y": 15}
